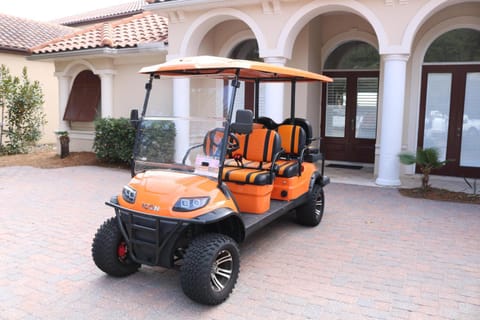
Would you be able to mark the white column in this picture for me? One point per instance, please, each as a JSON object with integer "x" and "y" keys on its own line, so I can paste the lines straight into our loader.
{"x": 393, "y": 100}
{"x": 63, "y": 94}
{"x": 181, "y": 109}
{"x": 274, "y": 94}
{"x": 106, "y": 79}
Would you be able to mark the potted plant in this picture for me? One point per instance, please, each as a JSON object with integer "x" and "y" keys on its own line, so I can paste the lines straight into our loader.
{"x": 64, "y": 143}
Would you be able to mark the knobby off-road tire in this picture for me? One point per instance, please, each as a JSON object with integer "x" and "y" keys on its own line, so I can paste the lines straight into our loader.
{"x": 210, "y": 268}
{"x": 109, "y": 251}
{"x": 311, "y": 212}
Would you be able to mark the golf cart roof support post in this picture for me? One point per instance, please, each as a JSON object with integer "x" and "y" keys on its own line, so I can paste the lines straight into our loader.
{"x": 292, "y": 101}
{"x": 148, "y": 88}
{"x": 257, "y": 97}
{"x": 235, "y": 85}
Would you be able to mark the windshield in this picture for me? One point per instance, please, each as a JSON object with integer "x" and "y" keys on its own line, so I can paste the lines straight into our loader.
{"x": 187, "y": 137}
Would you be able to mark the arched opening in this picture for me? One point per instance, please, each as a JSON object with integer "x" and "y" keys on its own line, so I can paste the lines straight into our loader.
{"x": 83, "y": 105}
{"x": 353, "y": 55}
{"x": 350, "y": 103}
{"x": 450, "y": 101}
{"x": 247, "y": 50}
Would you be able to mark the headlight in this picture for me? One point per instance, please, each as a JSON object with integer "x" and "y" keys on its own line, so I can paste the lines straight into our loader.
{"x": 129, "y": 194}
{"x": 190, "y": 204}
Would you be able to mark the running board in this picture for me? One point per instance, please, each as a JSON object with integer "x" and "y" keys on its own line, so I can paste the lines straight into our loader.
{"x": 278, "y": 208}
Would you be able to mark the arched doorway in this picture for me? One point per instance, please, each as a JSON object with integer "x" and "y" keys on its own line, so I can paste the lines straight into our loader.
{"x": 450, "y": 102}
{"x": 349, "y": 104}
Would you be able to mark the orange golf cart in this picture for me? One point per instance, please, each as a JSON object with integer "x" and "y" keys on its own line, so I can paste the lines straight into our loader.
{"x": 203, "y": 182}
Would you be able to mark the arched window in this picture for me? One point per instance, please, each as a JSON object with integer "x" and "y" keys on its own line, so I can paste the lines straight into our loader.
{"x": 353, "y": 55}
{"x": 459, "y": 45}
{"x": 84, "y": 101}
{"x": 246, "y": 50}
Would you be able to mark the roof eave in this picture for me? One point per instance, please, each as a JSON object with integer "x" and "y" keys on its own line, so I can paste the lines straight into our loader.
{"x": 19, "y": 51}
{"x": 101, "y": 52}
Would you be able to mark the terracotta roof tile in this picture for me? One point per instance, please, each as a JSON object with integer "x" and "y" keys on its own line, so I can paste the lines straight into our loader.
{"x": 19, "y": 34}
{"x": 117, "y": 11}
{"x": 146, "y": 27}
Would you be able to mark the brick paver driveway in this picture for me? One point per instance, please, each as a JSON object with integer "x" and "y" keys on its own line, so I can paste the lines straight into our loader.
{"x": 376, "y": 255}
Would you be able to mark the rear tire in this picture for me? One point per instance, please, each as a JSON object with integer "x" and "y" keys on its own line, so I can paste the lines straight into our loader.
{"x": 210, "y": 268}
{"x": 110, "y": 252}
{"x": 311, "y": 212}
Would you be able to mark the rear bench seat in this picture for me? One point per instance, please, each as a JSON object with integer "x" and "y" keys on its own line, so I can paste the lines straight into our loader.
{"x": 293, "y": 144}
{"x": 288, "y": 164}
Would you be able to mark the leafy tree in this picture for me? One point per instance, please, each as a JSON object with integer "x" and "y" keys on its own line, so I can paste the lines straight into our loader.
{"x": 427, "y": 159}
{"x": 22, "y": 100}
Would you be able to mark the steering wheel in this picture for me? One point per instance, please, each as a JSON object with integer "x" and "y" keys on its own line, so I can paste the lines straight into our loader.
{"x": 233, "y": 144}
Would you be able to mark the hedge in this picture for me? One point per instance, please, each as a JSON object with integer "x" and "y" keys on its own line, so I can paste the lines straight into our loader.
{"x": 115, "y": 139}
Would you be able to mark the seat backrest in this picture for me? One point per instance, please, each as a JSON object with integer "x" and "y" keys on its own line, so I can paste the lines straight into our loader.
{"x": 212, "y": 142}
{"x": 306, "y": 126}
{"x": 293, "y": 138}
{"x": 260, "y": 145}
{"x": 243, "y": 122}
{"x": 267, "y": 122}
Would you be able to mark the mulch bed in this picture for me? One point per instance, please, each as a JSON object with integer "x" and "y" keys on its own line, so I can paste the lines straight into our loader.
{"x": 50, "y": 159}
{"x": 441, "y": 194}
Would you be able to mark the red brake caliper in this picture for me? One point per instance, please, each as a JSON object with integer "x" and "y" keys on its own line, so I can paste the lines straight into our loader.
{"x": 122, "y": 250}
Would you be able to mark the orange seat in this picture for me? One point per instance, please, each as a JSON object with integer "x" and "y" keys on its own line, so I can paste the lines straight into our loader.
{"x": 293, "y": 144}
{"x": 252, "y": 162}
{"x": 212, "y": 142}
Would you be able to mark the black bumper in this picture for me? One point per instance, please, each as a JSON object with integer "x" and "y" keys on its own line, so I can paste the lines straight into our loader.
{"x": 153, "y": 240}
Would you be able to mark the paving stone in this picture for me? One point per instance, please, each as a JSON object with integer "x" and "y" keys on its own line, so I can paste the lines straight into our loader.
{"x": 376, "y": 255}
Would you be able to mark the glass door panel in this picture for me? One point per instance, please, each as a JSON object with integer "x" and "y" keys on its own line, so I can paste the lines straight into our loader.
{"x": 470, "y": 146}
{"x": 367, "y": 101}
{"x": 437, "y": 112}
{"x": 335, "y": 108}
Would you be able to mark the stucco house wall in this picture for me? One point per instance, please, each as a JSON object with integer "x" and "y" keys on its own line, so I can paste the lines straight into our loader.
{"x": 300, "y": 33}
{"x": 17, "y": 35}
{"x": 42, "y": 72}
{"x": 303, "y": 33}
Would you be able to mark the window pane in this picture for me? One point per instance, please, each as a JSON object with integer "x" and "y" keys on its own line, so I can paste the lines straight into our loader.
{"x": 353, "y": 55}
{"x": 336, "y": 104}
{"x": 470, "y": 152}
{"x": 461, "y": 45}
{"x": 366, "y": 118}
{"x": 437, "y": 112}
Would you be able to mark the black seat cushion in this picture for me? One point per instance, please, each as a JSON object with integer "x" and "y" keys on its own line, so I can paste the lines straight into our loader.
{"x": 288, "y": 168}
{"x": 246, "y": 175}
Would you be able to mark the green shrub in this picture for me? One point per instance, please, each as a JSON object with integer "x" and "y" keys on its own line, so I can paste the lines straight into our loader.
{"x": 21, "y": 100}
{"x": 114, "y": 139}
{"x": 157, "y": 141}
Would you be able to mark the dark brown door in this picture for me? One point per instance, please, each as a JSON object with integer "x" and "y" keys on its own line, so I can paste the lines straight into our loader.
{"x": 450, "y": 117}
{"x": 349, "y": 113}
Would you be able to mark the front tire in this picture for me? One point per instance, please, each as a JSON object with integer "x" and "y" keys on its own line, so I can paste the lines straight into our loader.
{"x": 311, "y": 212}
{"x": 210, "y": 268}
{"x": 110, "y": 251}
